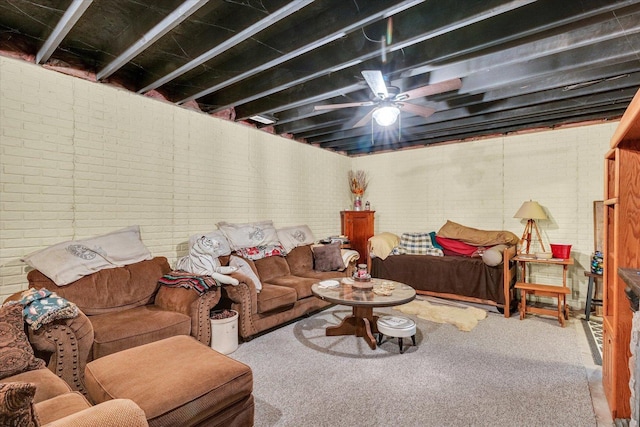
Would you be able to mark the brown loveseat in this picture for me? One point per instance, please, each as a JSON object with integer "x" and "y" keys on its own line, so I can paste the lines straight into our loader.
{"x": 120, "y": 308}
{"x": 286, "y": 291}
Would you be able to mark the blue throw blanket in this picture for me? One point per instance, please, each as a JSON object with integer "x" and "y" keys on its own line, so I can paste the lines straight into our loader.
{"x": 43, "y": 306}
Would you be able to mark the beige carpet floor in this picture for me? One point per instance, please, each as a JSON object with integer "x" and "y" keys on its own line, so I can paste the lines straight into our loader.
{"x": 503, "y": 372}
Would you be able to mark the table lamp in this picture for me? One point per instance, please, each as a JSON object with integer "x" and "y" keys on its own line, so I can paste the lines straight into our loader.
{"x": 531, "y": 211}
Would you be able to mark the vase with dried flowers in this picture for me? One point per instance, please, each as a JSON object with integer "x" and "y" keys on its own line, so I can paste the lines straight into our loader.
{"x": 358, "y": 182}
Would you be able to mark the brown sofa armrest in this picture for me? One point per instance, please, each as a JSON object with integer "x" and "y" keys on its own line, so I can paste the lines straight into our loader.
{"x": 112, "y": 413}
{"x": 187, "y": 301}
{"x": 69, "y": 342}
{"x": 244, "y": 299}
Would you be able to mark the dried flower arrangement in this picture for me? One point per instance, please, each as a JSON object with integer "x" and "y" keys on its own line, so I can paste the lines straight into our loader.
{"x": 358, "y": 182}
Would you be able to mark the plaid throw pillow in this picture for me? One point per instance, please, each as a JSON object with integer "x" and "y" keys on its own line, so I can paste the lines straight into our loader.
{"x": 418, "y": 244}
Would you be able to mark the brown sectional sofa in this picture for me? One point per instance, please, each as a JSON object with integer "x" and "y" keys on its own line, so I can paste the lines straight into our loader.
{"x": 120, "y": 308}
{"x": 285, "y": 295}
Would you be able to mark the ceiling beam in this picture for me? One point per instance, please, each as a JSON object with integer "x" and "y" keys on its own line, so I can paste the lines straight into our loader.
{"x": 319, "y": 41}
{"x": 339, "y": 56}
{"x": 614, "y": 38}
{"x": 365, "y": 145}
{"x": 271, "y": 19}
{"x": 582, "y": 64}
{"x": 504, "y": 28}
{"x": 163, "y": 27}
{"x": 608, "y": 92}
{"x": 591, "y": 77}
{"x": 498, "y": 121}
{"x": 62, "y": 28}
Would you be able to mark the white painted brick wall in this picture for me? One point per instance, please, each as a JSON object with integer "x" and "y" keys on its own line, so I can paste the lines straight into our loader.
{"x": 79, "y": 159}
{"x": 483, "y": 183}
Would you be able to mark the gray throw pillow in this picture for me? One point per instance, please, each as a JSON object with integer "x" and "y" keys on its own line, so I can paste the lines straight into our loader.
{"x": 328, "y": 257}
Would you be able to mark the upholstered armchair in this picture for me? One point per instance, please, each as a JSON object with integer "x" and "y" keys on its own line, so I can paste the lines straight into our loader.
{"x": 119, "y": 308}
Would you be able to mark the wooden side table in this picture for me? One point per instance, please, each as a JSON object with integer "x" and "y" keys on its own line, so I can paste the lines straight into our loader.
{"x": 559, "y": 292}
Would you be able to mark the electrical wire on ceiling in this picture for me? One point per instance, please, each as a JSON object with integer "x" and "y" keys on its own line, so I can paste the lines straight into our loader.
{"x": 592, "y": 82}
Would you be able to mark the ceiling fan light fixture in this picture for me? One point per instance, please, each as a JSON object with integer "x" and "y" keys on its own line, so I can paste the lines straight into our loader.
{"x": 387, "y": 115}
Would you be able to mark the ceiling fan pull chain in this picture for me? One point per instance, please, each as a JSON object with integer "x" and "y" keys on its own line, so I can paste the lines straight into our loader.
{"x": 371, "y": 132}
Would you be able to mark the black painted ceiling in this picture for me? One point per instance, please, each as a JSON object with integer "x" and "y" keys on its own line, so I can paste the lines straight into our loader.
{"x": 523, "y": 63}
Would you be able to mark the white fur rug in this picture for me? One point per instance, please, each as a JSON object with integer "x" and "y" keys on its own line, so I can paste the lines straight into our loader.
{"x": 465, "y": 319}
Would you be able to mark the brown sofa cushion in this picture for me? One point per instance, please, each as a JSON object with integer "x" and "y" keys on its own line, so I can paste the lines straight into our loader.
{"x": 113, "y": 289}
{"x": 61, "y": 406}
{"x": 120, "y": 330}
{"x": 16, "y": 354}
{"x": 300, "y": 260}
{"x": 178, "y": 380}
{"x": 47, "y": 383}
{"x": 301, "y": 285}
{"x": 16, "y": 404}
{"x": 270, "y": 267}
{"x": 273, "y": 297}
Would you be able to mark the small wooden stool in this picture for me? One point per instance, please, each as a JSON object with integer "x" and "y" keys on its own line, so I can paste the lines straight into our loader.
{"x": 396, "y": 326}
{"x": 591, "y": 292}
{"x": 559, "y": 292}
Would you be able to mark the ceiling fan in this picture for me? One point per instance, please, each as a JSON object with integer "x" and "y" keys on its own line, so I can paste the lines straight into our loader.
{"x": 389, "y": 101}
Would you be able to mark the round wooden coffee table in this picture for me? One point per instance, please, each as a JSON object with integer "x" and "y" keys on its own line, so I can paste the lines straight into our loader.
{"x": 362, "y": 322}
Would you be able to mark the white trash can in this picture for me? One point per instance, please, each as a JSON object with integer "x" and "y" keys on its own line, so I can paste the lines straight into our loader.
{"x": 224, "y": 332}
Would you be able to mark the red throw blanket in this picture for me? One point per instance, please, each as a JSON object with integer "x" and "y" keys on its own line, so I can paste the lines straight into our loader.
{"x": 184, "y": 279}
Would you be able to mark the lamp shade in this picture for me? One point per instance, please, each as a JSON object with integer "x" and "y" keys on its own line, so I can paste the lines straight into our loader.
{"x": 530, "y": 210}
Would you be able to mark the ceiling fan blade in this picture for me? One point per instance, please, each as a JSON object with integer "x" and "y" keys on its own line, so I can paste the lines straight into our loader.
{"x": 376, "y": 83}
{"x": 418, "y": 110}
{"x": 445, "y": 86}
{"x": 366, "y": 119}
{"x": 346, "y": 105}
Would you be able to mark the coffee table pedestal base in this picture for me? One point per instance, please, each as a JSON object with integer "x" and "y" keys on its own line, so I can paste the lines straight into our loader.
{"x": 362, "y": 323}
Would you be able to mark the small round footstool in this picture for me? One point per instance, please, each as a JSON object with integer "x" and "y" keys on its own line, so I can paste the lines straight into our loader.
{"x": 396, "y": 327}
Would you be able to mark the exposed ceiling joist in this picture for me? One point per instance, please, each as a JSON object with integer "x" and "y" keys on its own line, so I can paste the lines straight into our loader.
{"x": 167, "y": 24}
{"x": 62, "y": 28}
{"x": 271, "y": 19}
{"x": 523, "y": 64}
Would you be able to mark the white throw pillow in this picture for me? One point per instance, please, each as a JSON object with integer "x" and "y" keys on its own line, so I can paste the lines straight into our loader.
{"x": 249, "y": 234}
{"x": 69, "y": 261}
{"x": 292, "y": 237}
{"x": 493, "y": 256}
{"x": 216, "y": 236}
{"x": 244, "y": 268}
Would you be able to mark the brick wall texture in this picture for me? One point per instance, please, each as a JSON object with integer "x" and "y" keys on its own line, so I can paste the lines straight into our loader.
{"x": 79, "y": 158}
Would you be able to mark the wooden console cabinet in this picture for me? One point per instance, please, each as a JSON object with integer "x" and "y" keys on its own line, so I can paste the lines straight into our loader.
{"x": 621, "y": 248}
{"x": 358, "y": 226}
